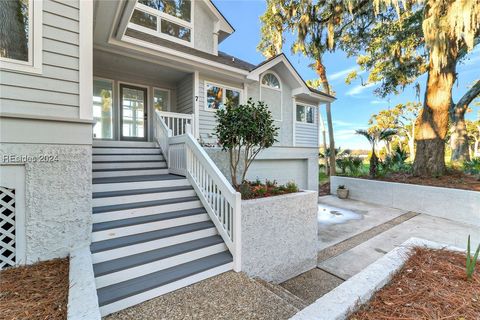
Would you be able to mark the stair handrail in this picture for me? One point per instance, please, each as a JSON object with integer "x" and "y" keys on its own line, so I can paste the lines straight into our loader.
{"x": 177, "y": 122}
{"x": 162, "y": 134}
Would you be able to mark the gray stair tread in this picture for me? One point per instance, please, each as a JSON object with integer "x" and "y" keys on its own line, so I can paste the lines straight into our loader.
{"x": 146, "y": 219}
{"x": 155, "y": 177}
{"x": 129, "y": 169}
{"x": 144, "y": 204}
{"x": 148, "y": 236}
{"x": 135, "y": 260}
{"x": 127, "y": 154}
{"x": 107, "y": 194}
{"x": 157, "y": 279}
{"x": 123, "y": 147}
{"x": 127, "y": 161}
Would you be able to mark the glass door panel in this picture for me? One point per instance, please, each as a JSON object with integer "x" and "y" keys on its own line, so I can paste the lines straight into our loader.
{"x": 102, "y": 109}
{"x": 133, "y": 112}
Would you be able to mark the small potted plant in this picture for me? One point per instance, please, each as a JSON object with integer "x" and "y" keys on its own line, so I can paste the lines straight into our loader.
{"x": 342, "y": 192}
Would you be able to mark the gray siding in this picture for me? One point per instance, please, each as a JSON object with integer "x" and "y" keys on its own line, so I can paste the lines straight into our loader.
{"x": 185, "y": 95}
{"x": 55, "y": 92}
{"x": 306, "y": 135}
{"x": 203, "y": 28}
{"x": 207, "y": 120}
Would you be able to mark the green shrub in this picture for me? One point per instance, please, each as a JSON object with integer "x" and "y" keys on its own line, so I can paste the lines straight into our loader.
{"x": 472, "y": 166}
{"x": 257, "y": 189}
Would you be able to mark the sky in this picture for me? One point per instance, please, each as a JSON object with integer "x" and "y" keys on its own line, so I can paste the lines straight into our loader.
{"x": 355, "y": 103}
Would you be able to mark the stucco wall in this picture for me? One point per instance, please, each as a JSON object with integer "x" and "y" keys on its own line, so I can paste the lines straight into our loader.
{"x": 454, "y": 204}
{"x": 279, "y": 236}
{"x": 299, "y": 165}
{"x": 57, "y": 198}
{"x": 203, "y": 28}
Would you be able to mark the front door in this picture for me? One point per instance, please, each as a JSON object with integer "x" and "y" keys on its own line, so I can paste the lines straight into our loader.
{"x": 133, "y": 113}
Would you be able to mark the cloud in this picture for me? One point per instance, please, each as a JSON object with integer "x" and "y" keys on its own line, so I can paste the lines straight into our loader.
{"x": 343, "y": 73}
{"x": 359, "y": 89}
{"x": 378, "y": 102}
{"x": 341, "y": 123}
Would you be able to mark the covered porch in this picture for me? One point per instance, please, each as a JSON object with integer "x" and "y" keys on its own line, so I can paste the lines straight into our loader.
{"x": 128, "y": 91}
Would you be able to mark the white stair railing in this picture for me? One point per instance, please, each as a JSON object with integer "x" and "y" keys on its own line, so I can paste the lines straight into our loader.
{"x": 185, "y": 156}
{"x": 177, "y": 122}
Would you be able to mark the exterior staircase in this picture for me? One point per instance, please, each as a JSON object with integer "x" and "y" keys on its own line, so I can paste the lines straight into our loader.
{"x": 151, "y": 234}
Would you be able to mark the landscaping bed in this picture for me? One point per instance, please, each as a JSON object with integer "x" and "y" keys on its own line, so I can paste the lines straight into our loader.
{"x": 432, "y": 284}
{"x": 38, "y": 291}
{"x": 257, "y": 189}
{"x": 453, "y": 179}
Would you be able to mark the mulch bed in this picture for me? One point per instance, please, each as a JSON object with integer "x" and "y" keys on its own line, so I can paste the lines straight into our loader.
{"x": 431, "y": 285}
{"x": 35, "y": 292}
{"x": 453, "y": 179}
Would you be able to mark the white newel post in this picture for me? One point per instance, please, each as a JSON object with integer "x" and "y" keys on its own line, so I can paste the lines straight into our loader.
{"x": 237, "y": 233}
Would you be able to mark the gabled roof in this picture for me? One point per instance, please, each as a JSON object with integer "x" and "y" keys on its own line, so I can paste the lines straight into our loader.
{"x": 282, "y": 58}
{"x": 225, "y": 26}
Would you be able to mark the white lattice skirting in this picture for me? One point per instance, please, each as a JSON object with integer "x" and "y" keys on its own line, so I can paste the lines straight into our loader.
{"x": 7, "y": 227}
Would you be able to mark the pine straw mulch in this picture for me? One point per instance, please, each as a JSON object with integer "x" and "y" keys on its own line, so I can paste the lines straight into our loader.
{"x": 453, "y": 179}
{"x": 431, "y": 285}
{"x": 34, "y": 292}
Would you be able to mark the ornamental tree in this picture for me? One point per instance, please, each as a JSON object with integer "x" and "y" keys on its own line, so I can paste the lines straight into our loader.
{"x": 244, "y": 131}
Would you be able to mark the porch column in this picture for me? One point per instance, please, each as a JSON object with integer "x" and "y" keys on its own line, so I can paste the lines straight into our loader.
{"x": 196, "y": 104}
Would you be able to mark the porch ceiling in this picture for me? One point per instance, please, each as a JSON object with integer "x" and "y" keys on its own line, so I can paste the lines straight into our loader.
{"x": 107, "y": 61}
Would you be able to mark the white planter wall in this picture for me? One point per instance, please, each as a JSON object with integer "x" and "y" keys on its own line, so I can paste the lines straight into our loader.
{"x": 279, "y": 236}
{"x": 454, "y": 204}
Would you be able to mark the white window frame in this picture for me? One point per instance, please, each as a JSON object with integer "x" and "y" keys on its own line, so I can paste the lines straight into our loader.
{"x": 35, "y": 33}
{"x": 169, "y": 99}
{"x": 224, "y": 96}
{"x": 149, "y": 101}
{"x": 314, "y": 123}
{"x": 114, "y": 108}
{"x": 272, "y": 88}
{"x": 267, "y": 86}
{"x": 164, "y": 16}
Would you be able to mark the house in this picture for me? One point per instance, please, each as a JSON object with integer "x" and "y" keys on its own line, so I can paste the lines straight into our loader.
{"x": 125, "y": 77}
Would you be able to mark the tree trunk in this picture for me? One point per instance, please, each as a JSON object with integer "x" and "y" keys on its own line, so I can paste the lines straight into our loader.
{"x": 459, "y": 140}
{"x": 322, "y": 73}
{"x": 475, "y": 149}
{"x": 411, "y": 143}
{"x": 373, "y": 164}
{"x": 432, "y": 123}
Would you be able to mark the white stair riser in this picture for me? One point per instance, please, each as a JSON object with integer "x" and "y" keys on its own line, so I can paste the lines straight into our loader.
{"x": 127, "y": 173}
{"x": 98, "y": 202}
{"x": 146, "y": 211}
{"x": 129, "y": 165}
{"x": 127, "y": 157}
{"x": 118, "y": 186}
{"x": 144, "y": 296}
{"x": 147, "y": 227}
{"x": 124, "y": 275}
{"x": 152, "y": 245}
{"x": 122, "y": 144}
{"x": 96, "y": 151}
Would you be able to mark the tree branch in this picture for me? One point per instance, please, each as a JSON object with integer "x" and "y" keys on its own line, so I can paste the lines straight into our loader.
{"x": 462, "y": 104}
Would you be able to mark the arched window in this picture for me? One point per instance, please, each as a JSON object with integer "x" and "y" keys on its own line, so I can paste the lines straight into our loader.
{"x": 270, "y": 80}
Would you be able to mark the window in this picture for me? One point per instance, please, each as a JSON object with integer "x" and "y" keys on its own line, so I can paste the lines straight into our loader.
{"x": 218, "y": 96}
{"x": 102, "y": 109}
{"x": 169, "y": 19}
{"x": 21, "y": 47}
{"x": 177, "y": 8}
{"x": 270, "y": 80}
{"x": 161, "y": 99}
{"x": 305, "y": 114}
{"x": 144, "y": 19}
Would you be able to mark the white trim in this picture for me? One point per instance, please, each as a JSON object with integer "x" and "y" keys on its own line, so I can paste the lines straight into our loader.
{"x": 115, "y": 113}
{"x": 160, "y": 16}
{"x": 314, "y": 107}
{"x": 119, "y": 106}
{"x": 160, "y": 51}
{"x": 275, "y": 89}
{"x": 196, "y": 103}
{"x": 35, "y": 50}
{"x": 294, "y": 118}
{"x": 85, "y": 67}
{"x": 224, "y": 95}
{"x": 224, "y": 25}
{"x": 13, "y": 177}
{"x": 169, "y": 102}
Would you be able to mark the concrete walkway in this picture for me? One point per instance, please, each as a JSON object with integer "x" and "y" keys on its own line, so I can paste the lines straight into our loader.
{"x": 346, "y": 263}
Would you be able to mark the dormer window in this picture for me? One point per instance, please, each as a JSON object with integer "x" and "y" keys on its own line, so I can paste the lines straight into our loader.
{"x": 270, "y": 80}
{"x": 168, "y": 19}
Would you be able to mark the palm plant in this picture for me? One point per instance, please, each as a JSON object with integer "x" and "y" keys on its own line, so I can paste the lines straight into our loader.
{"x": 374, "y": 136}
{"x": 338, "y": 153}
